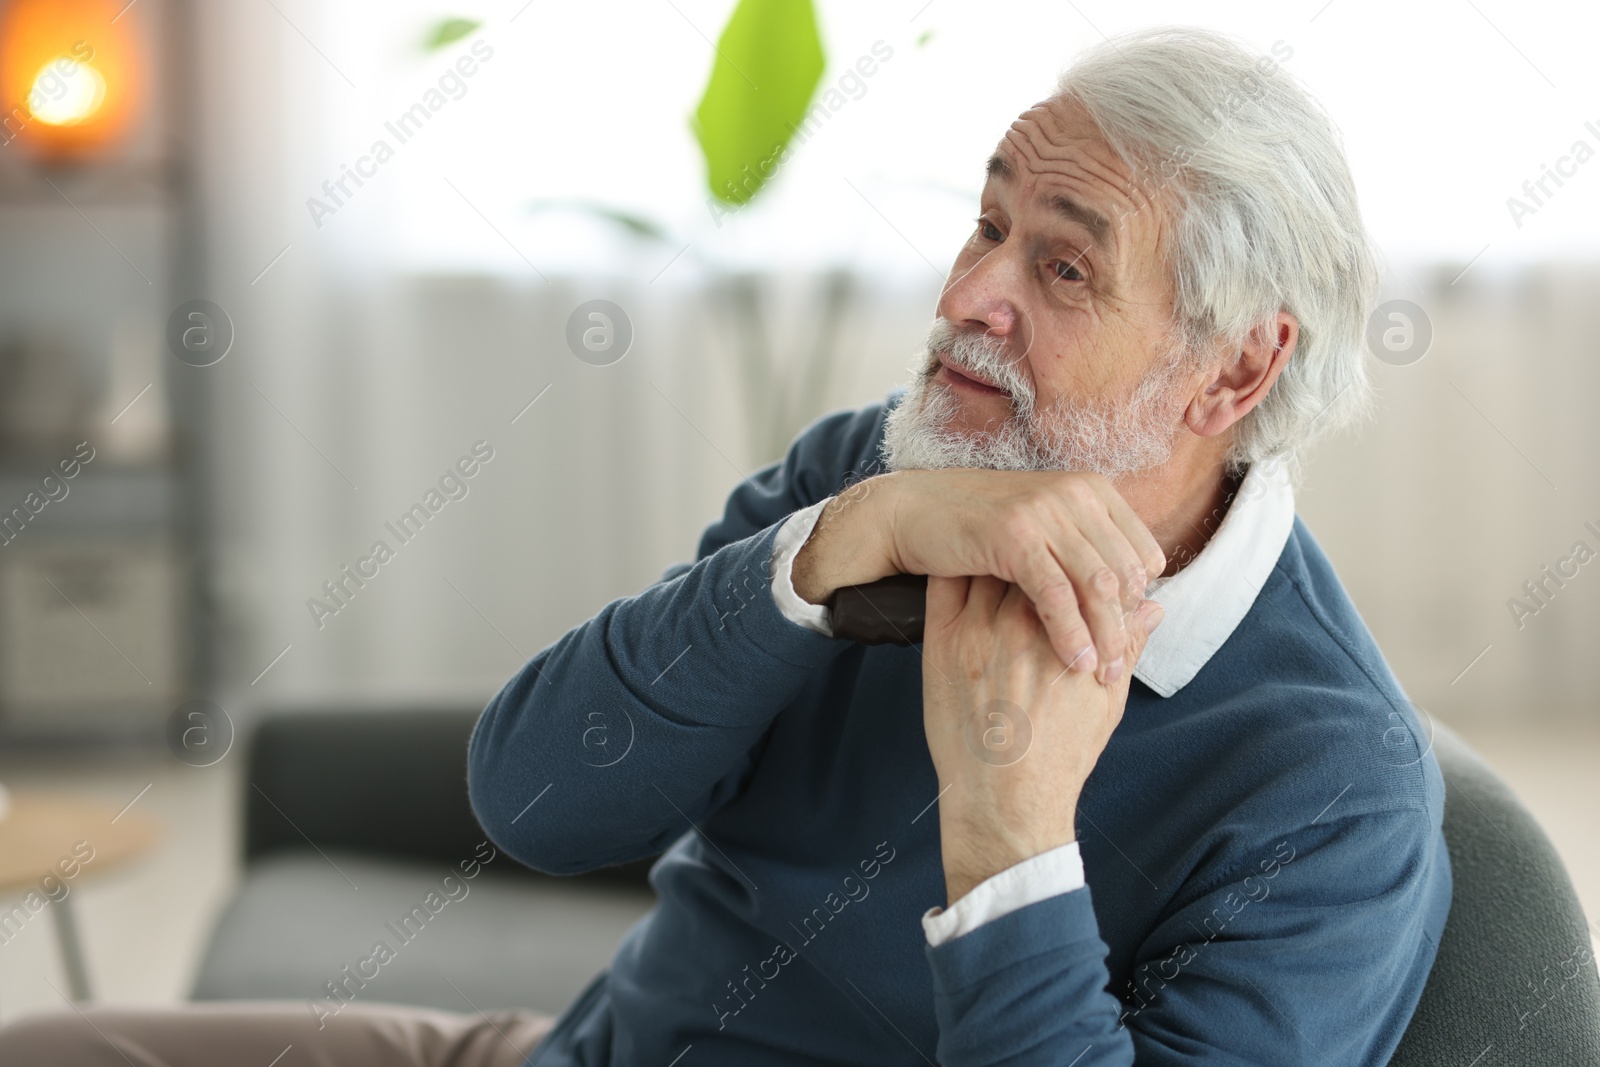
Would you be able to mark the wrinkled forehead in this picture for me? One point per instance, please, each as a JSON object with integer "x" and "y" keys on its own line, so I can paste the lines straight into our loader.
{"x": 1057, "y": 137}
{"x": 1061, "y": 121}
{"x": 1054, "y": 152}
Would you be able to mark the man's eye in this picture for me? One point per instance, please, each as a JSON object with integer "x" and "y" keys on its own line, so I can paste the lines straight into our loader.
{"x": 988, "y": 230}
{"x": 1067, "y": 272}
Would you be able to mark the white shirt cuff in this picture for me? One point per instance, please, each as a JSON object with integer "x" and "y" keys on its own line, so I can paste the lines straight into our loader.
{"x": 792, "y": 536}
{"x": 1048, "y": 874}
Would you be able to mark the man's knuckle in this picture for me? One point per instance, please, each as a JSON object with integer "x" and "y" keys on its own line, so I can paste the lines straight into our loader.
{"x": 1017, "y": 525}
{"x": 1076, "y": 490}
{"x": 1077, "y": 636}
{"x": 1057, "y": 596}
{"x": 1103, "y": 581}
{"x": 1087, "y": 482}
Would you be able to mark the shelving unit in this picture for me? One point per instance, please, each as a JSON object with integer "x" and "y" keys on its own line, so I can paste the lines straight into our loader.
{"x": 100, "y": 629}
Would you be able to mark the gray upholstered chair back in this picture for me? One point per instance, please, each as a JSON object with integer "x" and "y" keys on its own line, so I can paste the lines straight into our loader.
{"x": 1515, "y": 983}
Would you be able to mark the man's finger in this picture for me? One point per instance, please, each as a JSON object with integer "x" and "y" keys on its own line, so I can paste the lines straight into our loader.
{"x": 1142, "y": 622}
{"x": 1138, "y": 534}
{"x": 1114, "y": 548}
{"x": 1055, "y": 600}
{"x": 984, "y": 596}
{"x": 1099, "y": 592}
{"x": 944, "y": 599}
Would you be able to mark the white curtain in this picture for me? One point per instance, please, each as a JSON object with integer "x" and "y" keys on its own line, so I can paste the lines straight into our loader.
{"x": 361, "y": 373}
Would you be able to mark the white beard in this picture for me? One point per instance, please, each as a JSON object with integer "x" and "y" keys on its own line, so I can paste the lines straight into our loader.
{"x": 1082, "y": 435}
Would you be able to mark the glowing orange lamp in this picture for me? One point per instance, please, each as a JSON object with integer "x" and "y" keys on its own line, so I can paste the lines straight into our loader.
{"x": 69, "y": 76}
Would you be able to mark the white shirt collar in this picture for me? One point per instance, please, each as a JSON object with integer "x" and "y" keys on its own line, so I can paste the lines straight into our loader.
{"x": 1206, "y": 600}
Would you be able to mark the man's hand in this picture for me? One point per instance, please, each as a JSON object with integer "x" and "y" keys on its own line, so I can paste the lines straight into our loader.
{"x": 1013, "y": 734}
{"x": 1066, "y": 538}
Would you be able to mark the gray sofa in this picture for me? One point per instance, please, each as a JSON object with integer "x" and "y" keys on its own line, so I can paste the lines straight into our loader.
{"x": 351, "y": 819}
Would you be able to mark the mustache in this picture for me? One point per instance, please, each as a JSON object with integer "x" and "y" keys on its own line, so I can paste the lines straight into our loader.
{"x": 1075, "y": 432}
{"x": 987, "y": 356}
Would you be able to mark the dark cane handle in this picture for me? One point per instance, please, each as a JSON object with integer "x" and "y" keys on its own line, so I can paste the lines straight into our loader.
{"x": 890, "y": 611}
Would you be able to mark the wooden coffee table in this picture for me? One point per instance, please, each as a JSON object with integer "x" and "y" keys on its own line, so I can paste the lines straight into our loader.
{"x": 45, "y": 836}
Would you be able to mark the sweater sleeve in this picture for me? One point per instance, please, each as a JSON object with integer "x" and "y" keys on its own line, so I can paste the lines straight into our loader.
{"x": 610, "y": 743}
{"x": 1313, "y": 953}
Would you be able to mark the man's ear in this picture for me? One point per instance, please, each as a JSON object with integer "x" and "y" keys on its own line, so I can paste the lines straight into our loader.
{"x": 1241, "y": 383}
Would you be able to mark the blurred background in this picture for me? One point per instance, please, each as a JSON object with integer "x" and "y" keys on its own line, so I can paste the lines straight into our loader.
{"x": 270, "y": 268}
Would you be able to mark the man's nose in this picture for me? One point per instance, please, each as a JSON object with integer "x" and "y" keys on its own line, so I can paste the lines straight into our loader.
{"x": 977, "y": 299}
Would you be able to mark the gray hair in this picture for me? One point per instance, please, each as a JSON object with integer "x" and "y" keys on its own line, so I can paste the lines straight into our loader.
{"x": 1264, "y": 209}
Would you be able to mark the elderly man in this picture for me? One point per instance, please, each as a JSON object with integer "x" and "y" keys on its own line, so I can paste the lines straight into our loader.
{"x": 1147, "y": 791}
{"x": 1043, "y": 837}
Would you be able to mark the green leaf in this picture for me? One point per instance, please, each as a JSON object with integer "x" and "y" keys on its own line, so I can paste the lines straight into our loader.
{"x": 768, "y": 63}
{"x": 447, "y": 32}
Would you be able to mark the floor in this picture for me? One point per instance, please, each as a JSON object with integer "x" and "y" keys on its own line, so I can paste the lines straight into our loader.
{"x": 144, "y": 926}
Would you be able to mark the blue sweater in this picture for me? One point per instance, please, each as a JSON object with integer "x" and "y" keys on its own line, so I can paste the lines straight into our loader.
{"x": 1266, "y": 876}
